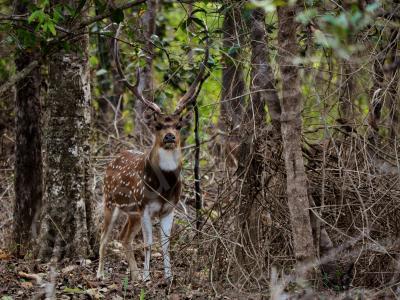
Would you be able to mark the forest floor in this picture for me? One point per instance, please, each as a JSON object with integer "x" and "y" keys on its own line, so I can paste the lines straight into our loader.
{"x": 202, "y": 270}
{"x": 29, "y": 279}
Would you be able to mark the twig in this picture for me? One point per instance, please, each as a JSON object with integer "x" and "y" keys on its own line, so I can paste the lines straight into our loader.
{"x": 109, "y": 13}
{"x": 19, "y": 76}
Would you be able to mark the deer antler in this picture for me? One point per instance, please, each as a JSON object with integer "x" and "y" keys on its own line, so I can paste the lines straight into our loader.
{"x": 134, "y": 88}
{"x": 191, "y": 94}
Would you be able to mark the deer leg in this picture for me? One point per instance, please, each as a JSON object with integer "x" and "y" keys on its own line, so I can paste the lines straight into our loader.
{"x": 147, "y": 230}
{"x": 128, "y": 233}
{"x": 110, "y": 216}
{"x": 165, "y": 230}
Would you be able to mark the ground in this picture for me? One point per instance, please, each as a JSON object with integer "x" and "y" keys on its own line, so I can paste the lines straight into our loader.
{"x": 30, "y": 279}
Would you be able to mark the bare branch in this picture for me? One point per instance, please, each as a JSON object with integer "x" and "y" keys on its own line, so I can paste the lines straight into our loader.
{"x": 191, "y": 94}
{"x": 108, "y": 13}
{"x": 134, "y": 88}
{"x": 19, "y": 76}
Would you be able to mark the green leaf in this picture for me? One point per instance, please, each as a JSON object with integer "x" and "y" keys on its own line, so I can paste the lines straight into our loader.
{"x": 51, "y": 27}
{"x": 101, "y": 72}
{"x": 342, "y": 21}
{"x": 93, "y": 60}
{"x": 199, "y": 22}
{"x": 306, "y": 16}
{"x": 234, "y": 49}
{"x": 199, "y": 10}
{"x": 372, "y": 7}
{"x": 142, "y": 294}
{"x": 211, "y": 61}
{"x": 57, "y": 14}
{"x": 117, "y": 15}
{"x": 36, "y": 15}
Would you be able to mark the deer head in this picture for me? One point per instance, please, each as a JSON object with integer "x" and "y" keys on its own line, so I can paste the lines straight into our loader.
{"x": 165, "y": 127}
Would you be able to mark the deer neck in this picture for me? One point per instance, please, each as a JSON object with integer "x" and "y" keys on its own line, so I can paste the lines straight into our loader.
{"x": 167, "y": 160}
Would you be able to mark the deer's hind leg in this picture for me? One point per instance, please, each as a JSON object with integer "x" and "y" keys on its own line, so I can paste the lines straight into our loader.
{"x": 128, "y": 233}
{"x": 110, "y": 216}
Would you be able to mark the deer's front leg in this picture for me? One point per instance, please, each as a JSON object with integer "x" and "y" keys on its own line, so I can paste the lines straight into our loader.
{"x": 147, "y": 230}
{"x": 165, "y": 228}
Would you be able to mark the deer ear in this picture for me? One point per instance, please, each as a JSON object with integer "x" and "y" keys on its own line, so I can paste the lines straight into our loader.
{"x": 185, "y": 120}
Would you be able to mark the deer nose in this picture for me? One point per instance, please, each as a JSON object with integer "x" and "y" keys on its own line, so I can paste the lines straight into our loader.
{"x": 169, "y": 138}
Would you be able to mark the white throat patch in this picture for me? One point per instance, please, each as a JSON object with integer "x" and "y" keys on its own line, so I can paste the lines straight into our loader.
{"x": 169, "y": 159}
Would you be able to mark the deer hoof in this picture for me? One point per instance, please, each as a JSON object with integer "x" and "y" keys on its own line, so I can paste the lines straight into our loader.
{"x": 146, "y": 277}
{"x": 100, "y": 275}
{"x": 169, "y": 279}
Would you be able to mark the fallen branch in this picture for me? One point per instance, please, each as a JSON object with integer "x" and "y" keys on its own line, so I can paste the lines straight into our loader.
{"x": 17, "y": 77}
{"x": 35, "y": 277}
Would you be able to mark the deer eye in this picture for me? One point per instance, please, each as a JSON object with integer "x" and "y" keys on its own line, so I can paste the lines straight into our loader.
{"x": 159, "y": 127}
{"x": 178, "y": 126}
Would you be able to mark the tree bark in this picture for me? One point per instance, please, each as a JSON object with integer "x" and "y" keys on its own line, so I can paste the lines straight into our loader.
{"x": 110, "y": 83}
{"x": 393, "y": 101}
{"x": 376, "y": 99}
{"x": 251, "y": 162}
{"x": 291, "y": 127}
{"x": 233, "y": 84}
{"x": 28, "y": 182}
{"x": 104, "y": 80}
{"x": 66, "y": 220}
{"x": 346, "y": 109}
{"x": 148, "y": 24}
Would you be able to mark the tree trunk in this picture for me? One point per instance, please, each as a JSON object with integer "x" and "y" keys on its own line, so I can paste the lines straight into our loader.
{"x": 104, "y": 80}
{"x": 233, "y": 84}
{"x": 148, "y": 24}
{"x": 394, "y": 99}
{"x": 376, "y": 99}
{"x": 346, "y": 109}
{"x": 28, "y": 151}
{"x": 66, "y": 220}
{"x": 291, "y": 127}
{"x": 111, "y": 87}
{"x": 262, "y": 91}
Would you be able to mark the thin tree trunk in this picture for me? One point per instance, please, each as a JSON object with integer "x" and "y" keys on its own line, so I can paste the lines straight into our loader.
{"x": 28, "y": 152}
{"x": 250, "y": 152}
{"x": 394, "y": 98}
{"x": 291, "y": 127}
{"x": 103, "y": 50}
{"x": 148, "y": 23}
{"x": 346, "y": 109}
{"x": 376, "y": 99}
{"x": 66, "y": 225}
{"x": 233, "y": 84}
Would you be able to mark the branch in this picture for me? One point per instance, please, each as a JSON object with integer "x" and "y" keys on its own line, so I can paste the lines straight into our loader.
{"x": 17, "y": 77}
{"x": 85, "y": 23}
{"x": 108, "y": 13}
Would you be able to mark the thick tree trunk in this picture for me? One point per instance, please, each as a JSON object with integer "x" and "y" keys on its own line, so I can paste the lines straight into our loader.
{"x": 233, "y": 84}
{"x": 148, "y": 24}
{"x": 262, "y": 91}
{"x": 291, "y": 127}
{"x": 28, "y": 151}
{"x": 66, "y": 220}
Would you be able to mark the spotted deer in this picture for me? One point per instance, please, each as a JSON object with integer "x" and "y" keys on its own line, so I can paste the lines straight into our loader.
{"x": 147, "y": 185}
